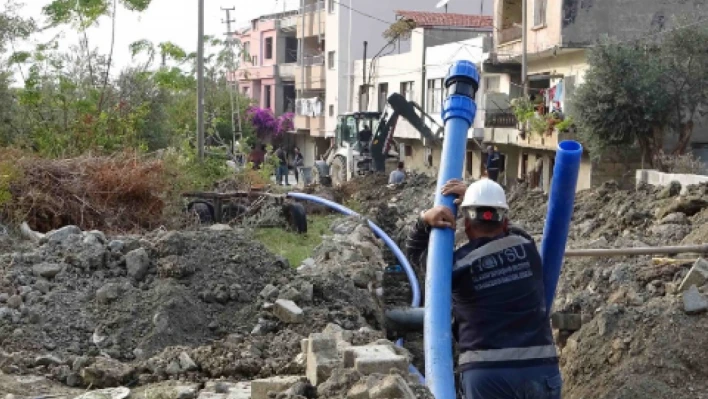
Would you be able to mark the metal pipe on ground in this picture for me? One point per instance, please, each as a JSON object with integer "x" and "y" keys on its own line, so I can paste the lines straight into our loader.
{"x": 694, "y": 249}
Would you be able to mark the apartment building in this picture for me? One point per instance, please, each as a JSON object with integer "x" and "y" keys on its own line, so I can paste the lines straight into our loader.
{"x": 435, "y": 44}
{"x": 559, "y": 33}
{"x": 266, "y": 71}
{"x": 331, "y": 36}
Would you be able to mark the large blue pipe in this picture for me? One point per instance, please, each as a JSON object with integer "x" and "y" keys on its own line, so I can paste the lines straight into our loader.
{"x": 458, "y": 113}
{"x": 560, "y": 211}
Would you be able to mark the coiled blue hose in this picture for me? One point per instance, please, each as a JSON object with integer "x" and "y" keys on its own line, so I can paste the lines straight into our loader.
{"x": 410, "y": 273}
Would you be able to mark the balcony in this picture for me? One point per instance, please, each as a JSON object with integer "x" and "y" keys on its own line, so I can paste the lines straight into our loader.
{"x": 314, "y": 21}
{"x": 314, "y": 74}
{"x": 256, "y": 72}
{"x": 499, "y": 118}
{"x": 315, "y": 124}
{"x": 510, "y": 34}
{"x": 289, "y": 23}
{"x": 287, "y": 71}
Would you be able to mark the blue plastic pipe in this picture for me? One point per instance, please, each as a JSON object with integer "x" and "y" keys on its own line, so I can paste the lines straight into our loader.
{"x": 458, "y": 113}
{"x": 410, "y": 273}
{"x": 560, "y": 211}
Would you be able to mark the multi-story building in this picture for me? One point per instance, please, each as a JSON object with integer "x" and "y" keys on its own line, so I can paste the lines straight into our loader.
{"x": 559, "y": 33}
{"x": 332, "y": 35}
{"x": 266, "y": 71}
{"x": 418, "y": 75}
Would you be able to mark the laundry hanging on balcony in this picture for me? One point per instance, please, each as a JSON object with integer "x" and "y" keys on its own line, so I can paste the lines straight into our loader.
{"x": 309, "y": 106}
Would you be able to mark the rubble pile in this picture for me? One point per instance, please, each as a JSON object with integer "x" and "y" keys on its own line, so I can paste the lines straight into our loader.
{"x": 627, "y": 327}
{"x": 88, "y": 310}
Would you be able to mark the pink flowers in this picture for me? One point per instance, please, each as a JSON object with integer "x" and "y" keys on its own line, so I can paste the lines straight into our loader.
{"x": 266, "y": 124}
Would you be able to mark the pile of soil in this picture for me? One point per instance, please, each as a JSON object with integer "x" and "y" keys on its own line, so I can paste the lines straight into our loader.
{"x": 102, "y": 312}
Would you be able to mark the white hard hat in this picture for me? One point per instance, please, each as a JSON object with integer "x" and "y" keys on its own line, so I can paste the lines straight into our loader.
{"x": 485, "y": 193}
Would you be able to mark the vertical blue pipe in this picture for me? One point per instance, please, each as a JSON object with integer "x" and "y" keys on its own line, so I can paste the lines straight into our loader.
{"x": 560, "y": 211}
{"x": 458, "y": 113}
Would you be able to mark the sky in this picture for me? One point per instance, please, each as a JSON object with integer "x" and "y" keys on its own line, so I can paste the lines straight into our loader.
{"x": 164, "y": 20}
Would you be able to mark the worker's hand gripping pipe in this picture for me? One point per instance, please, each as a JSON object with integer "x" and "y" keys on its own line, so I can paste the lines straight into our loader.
{"x": 560, "y": 211}
{"x": 458, "y": 113}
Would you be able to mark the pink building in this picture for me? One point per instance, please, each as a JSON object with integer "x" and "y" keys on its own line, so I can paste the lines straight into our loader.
{"x": 266, "y": 72}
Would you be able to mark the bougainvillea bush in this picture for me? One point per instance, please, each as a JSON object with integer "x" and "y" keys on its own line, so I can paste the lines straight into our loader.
{"x": 267, "y": 125}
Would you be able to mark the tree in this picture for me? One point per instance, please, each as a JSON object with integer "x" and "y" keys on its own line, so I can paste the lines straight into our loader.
{"x": 644, "y": 93}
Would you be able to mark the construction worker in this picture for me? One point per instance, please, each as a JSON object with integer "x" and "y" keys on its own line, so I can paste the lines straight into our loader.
{"x": 500, "y": 322}
{"x": 493, "y": 163}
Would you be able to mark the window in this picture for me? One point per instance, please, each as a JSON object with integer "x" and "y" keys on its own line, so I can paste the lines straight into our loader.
{"x": 254, "y": 60}
{"x": 246, "y": 91}
{"x": 383, "y": 96}
{"x": 435, "y": 95}
{"x": 331, "y": 110}
{"x": 266, "y": 96}
{"x": 539, "y": 12}
{"x": 491, "y": 84}
{"x": 246, "y": 52}
{"x": 330, "y": 60}
{"x": 407, "y": 90}
{"x": 269, "y": 48}
{"x": 330, "y": 6}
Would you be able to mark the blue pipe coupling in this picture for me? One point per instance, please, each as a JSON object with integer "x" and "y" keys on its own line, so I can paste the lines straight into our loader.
{"x": 560, "y": 211}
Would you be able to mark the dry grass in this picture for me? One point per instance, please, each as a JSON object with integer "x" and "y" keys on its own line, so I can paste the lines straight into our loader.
{"x": 123, "y": 192}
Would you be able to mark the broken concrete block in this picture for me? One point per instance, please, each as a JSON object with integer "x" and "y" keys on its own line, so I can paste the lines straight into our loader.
{"x": 372, "y": 359}
{"x": 322, "y": 358}
{"x": 392, "y": 387}
{"x": 220, "y": 227}
{"x": 269, "y": 292}
{"x": 359, "y": 391}
{"x": 698, "y": 275}
{"x": 260, "y": 388}
{"x": 694, "y": 302}
{"x": 226, "y": 390}
{"x": 566, "y": 321}
{"x": 288, "y": 312}
{"x": 186, "y": 363}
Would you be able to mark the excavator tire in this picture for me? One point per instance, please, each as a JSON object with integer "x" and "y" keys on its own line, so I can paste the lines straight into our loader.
{"x": 338, "y": 171}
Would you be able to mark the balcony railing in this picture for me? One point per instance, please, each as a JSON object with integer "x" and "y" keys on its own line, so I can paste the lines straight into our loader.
{"x": 286, "y": 70}
{"x": 510, "y": 34}
{"x": 499, "y": 118}
{"x": 289, "y": 23}
{"x": 320, "y": 5}
{"x": 313, "y": 60}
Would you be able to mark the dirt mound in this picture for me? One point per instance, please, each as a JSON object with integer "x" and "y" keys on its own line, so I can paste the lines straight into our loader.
{"x": 146, "y": 302}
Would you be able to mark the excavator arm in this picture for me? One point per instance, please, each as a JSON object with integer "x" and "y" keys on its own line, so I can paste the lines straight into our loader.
{"x": 383, "y": 138}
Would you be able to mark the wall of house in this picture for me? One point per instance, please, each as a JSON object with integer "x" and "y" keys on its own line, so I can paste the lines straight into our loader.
{"x": 584, "y": 22}
{"x": 540, "y": 38}
{"x": 348, "y": 48}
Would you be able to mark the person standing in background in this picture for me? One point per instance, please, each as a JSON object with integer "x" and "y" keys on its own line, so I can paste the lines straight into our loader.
{"x": 493, "y": 163}
{"x": 298, "y": 164}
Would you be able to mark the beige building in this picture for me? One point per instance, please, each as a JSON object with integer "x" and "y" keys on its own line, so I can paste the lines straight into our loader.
{"x": 558, "y": 35}
{"x": 418, "y": 74}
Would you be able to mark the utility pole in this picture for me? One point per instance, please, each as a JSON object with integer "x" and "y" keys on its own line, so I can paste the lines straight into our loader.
{"x": 235, "y": 108}
{"x": 524, "y": 50}
{"x": 200, "y": 83}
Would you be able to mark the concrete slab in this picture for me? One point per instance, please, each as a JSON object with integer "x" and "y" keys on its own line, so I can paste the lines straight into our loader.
{"x": 226, "y": 390}
{"x": 374, "y": 359}
{"x": 288, "y": 312}
{"x": 260, "y": 388}
{"x": 322, "y": 358}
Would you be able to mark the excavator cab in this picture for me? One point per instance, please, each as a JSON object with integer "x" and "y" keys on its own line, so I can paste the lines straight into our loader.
{"x": 349, "y": 125}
